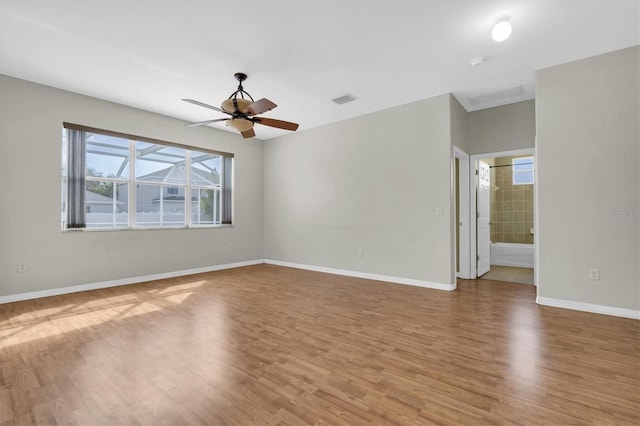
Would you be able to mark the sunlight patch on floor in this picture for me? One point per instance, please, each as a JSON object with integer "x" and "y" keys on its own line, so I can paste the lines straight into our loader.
{"x": 49, "y": 322}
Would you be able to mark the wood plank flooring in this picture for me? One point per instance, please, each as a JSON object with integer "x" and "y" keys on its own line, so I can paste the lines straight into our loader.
{"x": 270, "y": 345}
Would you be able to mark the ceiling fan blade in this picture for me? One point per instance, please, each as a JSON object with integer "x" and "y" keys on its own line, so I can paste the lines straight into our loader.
{"x": 202, "y": 123}
{"x": 271, "y": 122}
{"x": 248, "y": 134}
{"x": 259, "y": 106}
{"x": 191, "y": 101}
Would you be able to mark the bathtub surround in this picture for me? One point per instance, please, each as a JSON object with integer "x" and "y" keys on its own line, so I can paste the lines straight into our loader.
{"x": 512, "y": 254}
{"x": 511, "y": 205}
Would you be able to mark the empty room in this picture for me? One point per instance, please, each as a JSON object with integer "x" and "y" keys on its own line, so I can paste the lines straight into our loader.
{"x": 319, "y": 212}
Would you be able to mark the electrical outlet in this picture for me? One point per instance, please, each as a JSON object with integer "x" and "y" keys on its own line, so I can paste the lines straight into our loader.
{"x": 360, "y": 252}
{"x": 22, "y": 267}
{"x": 439, "y": 211}
{"x": 594, "y": 274}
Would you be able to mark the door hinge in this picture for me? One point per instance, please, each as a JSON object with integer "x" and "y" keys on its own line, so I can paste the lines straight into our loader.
{"x": 477, "y": 257}
{"x": 476, "y": 172}
{"x": 477, "y": 215}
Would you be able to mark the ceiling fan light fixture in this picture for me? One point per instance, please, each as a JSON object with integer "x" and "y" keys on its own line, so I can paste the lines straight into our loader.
{"x": 228, "y": 106}
{"x": 240, "y": 124}
{"x": 501, "y": 30}
{"x": 242, "y": 112}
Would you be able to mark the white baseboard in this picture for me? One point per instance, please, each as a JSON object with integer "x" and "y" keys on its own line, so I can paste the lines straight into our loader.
{"x": 114, "y": 283}
{"x": 545, "y": 301}
{"x": 588, "y": 307}
{"x": 395, "y": 280}
{"x": 125, "y": 281}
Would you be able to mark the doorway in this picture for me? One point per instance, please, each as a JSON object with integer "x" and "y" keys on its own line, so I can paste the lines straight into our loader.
{"x": 503, "y": 201}
{"x": 462, "y": 223}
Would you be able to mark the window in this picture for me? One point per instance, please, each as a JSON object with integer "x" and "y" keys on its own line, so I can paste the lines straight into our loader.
{"x": 522, "y": 171}
{"x": 117, "y": 181}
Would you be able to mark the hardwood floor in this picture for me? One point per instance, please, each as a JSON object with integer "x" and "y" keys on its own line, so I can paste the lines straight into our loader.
{"x": 271, "y": 345}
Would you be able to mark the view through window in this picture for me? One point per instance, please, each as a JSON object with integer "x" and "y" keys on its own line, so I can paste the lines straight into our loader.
{"x": 121, "y": 182}
{"x": 522, "y": 171}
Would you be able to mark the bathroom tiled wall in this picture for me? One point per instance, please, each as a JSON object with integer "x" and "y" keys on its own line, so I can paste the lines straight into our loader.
{"x": 511, "y": 206}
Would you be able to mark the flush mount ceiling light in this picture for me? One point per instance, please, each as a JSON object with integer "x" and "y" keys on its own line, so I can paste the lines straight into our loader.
{"x": 501, "y": 30}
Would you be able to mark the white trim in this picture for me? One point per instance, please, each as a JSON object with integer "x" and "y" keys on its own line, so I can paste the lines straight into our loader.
{"x": 508, "y": 153}
{"x": 365, "y": 275}
{"x": 124, "y": 281}
{"x": 588, "y": 307}
{"x": 536, "y": 228}
{"x": 465, "y": 215}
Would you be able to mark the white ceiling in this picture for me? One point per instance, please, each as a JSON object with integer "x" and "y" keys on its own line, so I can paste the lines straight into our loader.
{"x": 300, "y": 53}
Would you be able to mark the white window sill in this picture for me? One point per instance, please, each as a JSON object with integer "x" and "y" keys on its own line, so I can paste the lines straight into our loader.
{"x": 176, "y": 228}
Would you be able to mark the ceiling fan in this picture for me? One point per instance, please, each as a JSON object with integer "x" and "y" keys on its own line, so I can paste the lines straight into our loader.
{"x": 243, "y": 112}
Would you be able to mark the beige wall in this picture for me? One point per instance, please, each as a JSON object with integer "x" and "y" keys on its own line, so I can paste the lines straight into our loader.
{"x": 372, "y": 183}
{"x": 503, "y": 128}
{"x": 459, "y": 125}
{"x": 31, "y": 118}
{"x": 587, "y": 158}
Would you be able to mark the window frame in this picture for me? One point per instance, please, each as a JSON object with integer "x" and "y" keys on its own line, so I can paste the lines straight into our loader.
{"x": 527, "y": 171}
{"x": 224, "y": 187}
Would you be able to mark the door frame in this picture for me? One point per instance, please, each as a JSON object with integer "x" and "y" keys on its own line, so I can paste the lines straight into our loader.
{"x": 473, "y": 208}
{"x": 464, "y": 226}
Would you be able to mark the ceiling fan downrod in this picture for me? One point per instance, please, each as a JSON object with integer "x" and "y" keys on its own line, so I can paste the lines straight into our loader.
{"x": 240, "y": 77}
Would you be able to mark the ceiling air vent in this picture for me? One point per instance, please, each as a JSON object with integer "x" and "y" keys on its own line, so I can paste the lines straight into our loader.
{"x": 344, "y": 99}
{"x": 495, "y": 97}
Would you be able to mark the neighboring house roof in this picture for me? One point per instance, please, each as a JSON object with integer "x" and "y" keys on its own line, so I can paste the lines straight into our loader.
{"x": 172, "y": 199}
{"x": 177, "y": 174}
{"x": 95, "y": 198}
